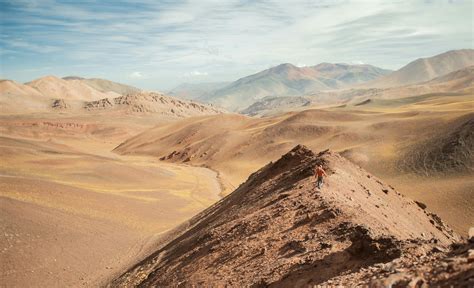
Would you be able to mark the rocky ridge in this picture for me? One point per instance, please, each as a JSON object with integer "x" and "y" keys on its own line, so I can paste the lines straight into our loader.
{"x": 277, "y": 230}
{"x": 152, "y": 102}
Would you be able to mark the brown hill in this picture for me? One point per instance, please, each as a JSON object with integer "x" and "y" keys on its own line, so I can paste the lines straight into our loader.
{"x": 278, "y": 230}
{"x": 425, "y": 69}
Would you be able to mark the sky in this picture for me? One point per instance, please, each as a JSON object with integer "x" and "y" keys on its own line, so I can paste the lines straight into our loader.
{"x": 159, "y": 44}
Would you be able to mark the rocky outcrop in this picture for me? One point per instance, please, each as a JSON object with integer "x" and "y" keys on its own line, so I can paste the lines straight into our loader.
{"x": 59, "y": 104}
{"x": 151, "y": 103}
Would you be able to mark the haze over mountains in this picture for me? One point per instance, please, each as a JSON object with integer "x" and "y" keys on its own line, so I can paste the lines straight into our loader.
{"x": 324, "y": 83}
{"x": 195, "y": 90}
{"x": 290, "y": 80}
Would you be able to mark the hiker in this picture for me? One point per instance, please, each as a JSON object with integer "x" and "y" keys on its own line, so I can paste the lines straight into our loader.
{"x": 319, "y": 174}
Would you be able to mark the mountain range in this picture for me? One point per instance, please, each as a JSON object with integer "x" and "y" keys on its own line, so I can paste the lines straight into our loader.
{"x": 259, "y": 93}
{"x": 290, "y": 80}
{"x": 78, "y": 95}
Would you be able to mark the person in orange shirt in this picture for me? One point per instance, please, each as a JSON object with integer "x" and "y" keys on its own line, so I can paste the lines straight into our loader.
{"x": 319, "y": 173}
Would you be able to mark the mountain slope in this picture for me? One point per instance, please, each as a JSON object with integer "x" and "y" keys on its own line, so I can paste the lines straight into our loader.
{"x": 17, "y": 97}
{"x": 287, "y": 80}
{"x": 457, "y": 80}
{"x": 104, "y": 85}
{"x": 56, "y": 88}
{"x": 425, "y": 69}
{"x": 277, "y": 230}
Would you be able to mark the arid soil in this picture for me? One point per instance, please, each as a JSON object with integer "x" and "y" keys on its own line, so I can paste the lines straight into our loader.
{"x": 278, "y": 230}
{"x": 73, "y": 213}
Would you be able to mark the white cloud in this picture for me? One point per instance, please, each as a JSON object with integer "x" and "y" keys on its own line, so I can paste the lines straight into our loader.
{"x": 195, "y": 73}
{"x": 136, "y": 74}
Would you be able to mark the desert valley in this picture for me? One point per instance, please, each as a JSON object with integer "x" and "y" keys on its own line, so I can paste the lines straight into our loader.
{"x": 105, "y": 184}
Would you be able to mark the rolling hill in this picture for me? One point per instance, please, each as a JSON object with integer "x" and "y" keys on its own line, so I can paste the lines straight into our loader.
{"x": 378, "y": 135}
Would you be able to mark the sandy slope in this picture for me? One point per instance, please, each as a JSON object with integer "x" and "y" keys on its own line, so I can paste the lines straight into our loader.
{"x": 376, "y": 135}
{"x": 73, "y": 214}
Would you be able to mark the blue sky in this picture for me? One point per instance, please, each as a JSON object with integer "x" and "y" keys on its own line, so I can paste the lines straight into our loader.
{"x": 159, "y": 44}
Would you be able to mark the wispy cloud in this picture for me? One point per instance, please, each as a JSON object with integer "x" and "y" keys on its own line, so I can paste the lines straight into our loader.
{"x": 169, "y": 40}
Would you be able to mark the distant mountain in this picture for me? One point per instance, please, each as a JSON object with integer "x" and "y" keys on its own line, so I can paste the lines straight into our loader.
{"x": 290, "y": 80}
{"x": 195, "y": 90}
{"x": 459, "y": 82}
{"x": 105, "y": 86}
{"x": 425, "y": 69}
{"x": 73, "y": 95}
